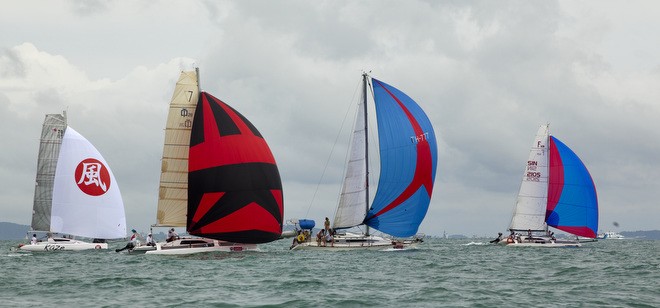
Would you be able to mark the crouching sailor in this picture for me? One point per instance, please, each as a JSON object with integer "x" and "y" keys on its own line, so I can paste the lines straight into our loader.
{"x": 132, "y": 243}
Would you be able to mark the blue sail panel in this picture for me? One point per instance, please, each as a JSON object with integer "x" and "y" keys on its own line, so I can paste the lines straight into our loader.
{"x": 572, "y": 199}
{"x": 408, "y": 160}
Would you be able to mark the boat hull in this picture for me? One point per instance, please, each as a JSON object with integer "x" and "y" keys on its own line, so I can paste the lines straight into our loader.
{"x": 357, "y": 242}
{"x": 187, "y": 246}
{"x": 539, "y": 242}
{"x": 62, "y": 244}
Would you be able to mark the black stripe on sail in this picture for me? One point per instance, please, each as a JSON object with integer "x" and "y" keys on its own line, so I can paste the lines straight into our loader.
{"x": 247, "y": 122}
{"x": 197, "y": 134}
{"x": 246, "y": 237}
{"x": 226, "y": 125}
{"x": 242, "y": 184}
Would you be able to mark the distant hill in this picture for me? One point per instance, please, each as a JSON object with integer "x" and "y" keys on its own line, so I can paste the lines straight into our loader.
{"x": 647, "y": 235}
{"x": 12, "y": 231}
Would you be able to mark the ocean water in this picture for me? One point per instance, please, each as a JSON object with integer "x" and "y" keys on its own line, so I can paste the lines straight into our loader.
{"x": 440, "y": 273}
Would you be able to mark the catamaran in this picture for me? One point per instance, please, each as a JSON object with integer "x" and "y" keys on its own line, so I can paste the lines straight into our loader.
{"x": 76, "y": 193}
{"x": 408, "y": 160}
{"x": 556, "y": 191}
{"x": 219, "y": 178}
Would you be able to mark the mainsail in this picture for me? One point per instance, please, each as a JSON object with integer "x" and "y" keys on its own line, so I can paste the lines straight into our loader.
{"x": 52, "y": 133}
{"x": 529, "y": 212}
{"x": 173, "y": 190}
{"x": 235, "y": 191}
{"x": 353, "y": 201}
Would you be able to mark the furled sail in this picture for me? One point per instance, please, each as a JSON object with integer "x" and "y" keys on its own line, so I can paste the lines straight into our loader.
{"x": 235, "y": 191}
{"x": 173, "y": 190}
{"x": 408, "y": 156}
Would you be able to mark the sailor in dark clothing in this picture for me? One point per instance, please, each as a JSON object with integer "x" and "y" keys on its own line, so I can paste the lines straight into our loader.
{"x": 498, "y": 239}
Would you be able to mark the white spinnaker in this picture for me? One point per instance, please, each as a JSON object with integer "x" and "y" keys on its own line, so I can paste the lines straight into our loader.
{"x": 529, "y": 212}
{"x": 75, "y": 212}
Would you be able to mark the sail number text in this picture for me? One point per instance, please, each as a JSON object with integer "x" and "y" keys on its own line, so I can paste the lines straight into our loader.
{"x": 419, "y": 138}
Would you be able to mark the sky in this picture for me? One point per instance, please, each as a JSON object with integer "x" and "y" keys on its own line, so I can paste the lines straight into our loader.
{"x": 486, "y": 73}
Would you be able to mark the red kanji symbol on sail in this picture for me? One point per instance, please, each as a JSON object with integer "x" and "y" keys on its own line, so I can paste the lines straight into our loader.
{"x": 92, "y": 177}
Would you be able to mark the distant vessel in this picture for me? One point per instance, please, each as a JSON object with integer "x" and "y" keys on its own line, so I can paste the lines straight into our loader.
{"x": 408, "y": 163}
{"x": 611, "y": 235}
{"x": 219, "y": 178}
{"x": 557, "y": 191}
{"x": 75, "y": 194}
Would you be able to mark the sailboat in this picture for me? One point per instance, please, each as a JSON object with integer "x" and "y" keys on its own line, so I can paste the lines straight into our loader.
{"x": 556, "y": 191}
{"x": 76, "y": 193}
{"x": 408, "y": 160}
{"x": 219, "y": 178}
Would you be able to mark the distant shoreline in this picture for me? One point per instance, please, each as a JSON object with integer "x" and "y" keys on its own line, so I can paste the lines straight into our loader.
{"x": 14, "y": 231}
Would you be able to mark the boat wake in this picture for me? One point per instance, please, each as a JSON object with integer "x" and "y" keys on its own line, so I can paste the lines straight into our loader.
{"x": 475, "y": 244}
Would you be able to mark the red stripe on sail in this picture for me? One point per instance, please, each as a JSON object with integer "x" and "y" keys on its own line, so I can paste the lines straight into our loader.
{"x": 555, "y": 178}
{"x": 277, "y": 194}
{"x": 207, "y": 202}
{"x": 579, "y": 231}
{"x": 251, "y": 217}
{"x": 423, "y": 168}
{"x": 235, "y": 149}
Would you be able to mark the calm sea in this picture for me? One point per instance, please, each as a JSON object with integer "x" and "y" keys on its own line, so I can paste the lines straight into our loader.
{"x": 440, "y": 273}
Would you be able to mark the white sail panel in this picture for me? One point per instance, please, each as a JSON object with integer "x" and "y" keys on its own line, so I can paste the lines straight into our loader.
{"x": 529, "y": 212}
{"x": 352, "y": 206}
{"x": 52, "y": 132}
{"x": 86, "y": 198}
{"x": 173, "y": 190}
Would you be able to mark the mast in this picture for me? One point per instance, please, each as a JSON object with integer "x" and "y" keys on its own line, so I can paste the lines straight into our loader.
{"x": 366, "y": 145}
{"x": 199, "y": 88}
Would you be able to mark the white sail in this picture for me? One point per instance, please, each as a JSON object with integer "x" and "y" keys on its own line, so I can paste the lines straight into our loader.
{"x": 86, "y": 198}
{"x": 352, "y": 206}
{"x": 49, "y": 149}
{"x": 529, "y": 212}
{"x": 173, "y": 190}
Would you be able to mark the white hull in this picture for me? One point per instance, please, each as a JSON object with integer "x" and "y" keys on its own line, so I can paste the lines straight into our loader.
{"x": 611, "y": 236}
{"x": 538, "y": 242}
{"x": 186, "y": 246}
{"x": 63, "y": 244}
{"x": 350, "y": 241}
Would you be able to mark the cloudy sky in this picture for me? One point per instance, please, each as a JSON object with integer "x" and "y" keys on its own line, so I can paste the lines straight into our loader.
{"x": 487, "y": 73}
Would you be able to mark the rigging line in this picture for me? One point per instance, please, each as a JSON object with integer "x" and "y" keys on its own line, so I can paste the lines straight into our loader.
{"x": 333, "y": 148}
